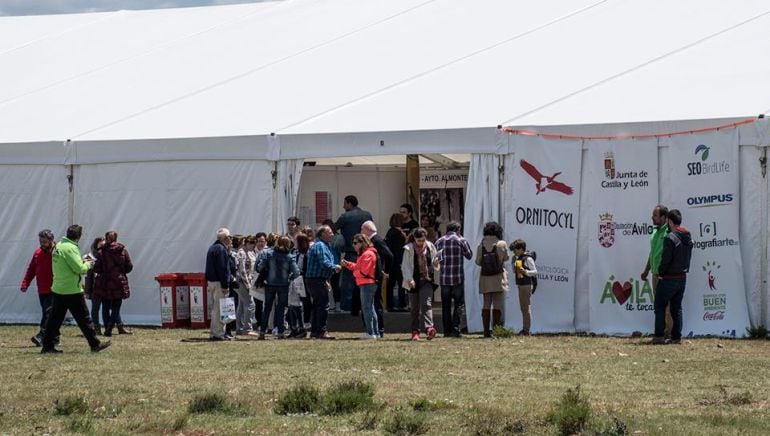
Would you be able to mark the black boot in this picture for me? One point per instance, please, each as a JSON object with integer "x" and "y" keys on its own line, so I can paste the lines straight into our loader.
{"x": 108, "y": 330}
{"x": 485, "y": 320}
{"x": 123, "y": 330}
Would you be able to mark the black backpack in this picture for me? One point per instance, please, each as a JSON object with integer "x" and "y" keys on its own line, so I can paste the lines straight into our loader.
{"x": 533, "y": 255}
{"x": 490, "y": 262}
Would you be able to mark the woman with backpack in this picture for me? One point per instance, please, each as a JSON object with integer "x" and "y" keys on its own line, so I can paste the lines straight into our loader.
{"x": 365, "y": 273}
{"x": 493, "y": 281}
{"x": 420, "y": 274}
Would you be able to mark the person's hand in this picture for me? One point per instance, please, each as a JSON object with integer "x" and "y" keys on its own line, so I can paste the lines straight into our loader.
{"x": 386, "y": 276}
{"x": 435, "y": 262}
{"x": 23, "y": 289}
{"x": 344, "y": 263}
{"x": 90, "y": 263}
{"x": 643, "y": 276}
{"x": 338, "y": 268}
{"x": 411, "y": 284}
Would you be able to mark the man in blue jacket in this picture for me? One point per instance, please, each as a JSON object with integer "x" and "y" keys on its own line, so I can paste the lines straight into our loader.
{"x": 218, "y": 275}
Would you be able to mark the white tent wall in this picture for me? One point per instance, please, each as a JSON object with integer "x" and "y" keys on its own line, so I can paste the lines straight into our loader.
{"x": 380, "y": 190}
{"x": 167, "y": 214}
{"x": 752, "y": 211}
{"x": 33, "y": 198}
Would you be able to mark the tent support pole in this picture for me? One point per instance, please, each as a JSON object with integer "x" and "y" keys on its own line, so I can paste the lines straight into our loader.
{"x": 764, "y": 238}
{"x": 71, "y": 195}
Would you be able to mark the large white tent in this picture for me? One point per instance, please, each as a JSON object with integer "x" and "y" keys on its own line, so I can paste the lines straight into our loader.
{"x": 166, "y": 124}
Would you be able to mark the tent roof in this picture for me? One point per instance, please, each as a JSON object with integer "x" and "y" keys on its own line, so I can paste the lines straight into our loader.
{"x": 323, "y": 66}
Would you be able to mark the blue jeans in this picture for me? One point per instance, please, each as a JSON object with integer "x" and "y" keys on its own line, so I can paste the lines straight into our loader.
{"x": 45, "y": 306}
{"x": 669, "y": 291}
{"x": 367, "y": 309}
{"x": 282, "y": 294}
{"x": 111, "y": 312}
{"x": 452, "y": 318}
{"x": 320, "y": 297}
{"x": 96, "y": 304}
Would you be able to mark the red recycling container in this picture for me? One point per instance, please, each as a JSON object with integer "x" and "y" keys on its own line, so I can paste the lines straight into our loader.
{"x": 174, "y": 301}
{"x": 200, "y": 318}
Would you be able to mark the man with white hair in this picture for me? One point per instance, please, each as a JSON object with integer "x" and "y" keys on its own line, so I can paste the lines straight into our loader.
{"x": 218, "y": 275}
{"x": 385, "y": 259}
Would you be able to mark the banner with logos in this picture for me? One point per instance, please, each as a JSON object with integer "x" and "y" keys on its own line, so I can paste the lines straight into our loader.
{"x": 623, "y": 174}
{"x": 541, "y": 207}
{"x": 704, "y": 187}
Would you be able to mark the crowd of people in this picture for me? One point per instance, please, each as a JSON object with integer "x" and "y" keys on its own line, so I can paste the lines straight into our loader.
{"x": 285, "y": 286}
{"x": 281, "y": 284}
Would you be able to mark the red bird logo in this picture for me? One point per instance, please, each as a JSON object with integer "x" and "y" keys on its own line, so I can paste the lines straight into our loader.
{"x": 542, "y": 182}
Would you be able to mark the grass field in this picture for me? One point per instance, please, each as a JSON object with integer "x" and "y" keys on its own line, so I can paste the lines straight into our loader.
{"x": 146, "y": 383}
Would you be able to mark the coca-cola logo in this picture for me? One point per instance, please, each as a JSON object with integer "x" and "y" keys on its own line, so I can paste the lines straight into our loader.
{"x": 714, "y": 316}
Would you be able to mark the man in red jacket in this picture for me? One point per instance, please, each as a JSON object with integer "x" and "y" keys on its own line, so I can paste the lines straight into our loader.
{"x": 41, "y": 268}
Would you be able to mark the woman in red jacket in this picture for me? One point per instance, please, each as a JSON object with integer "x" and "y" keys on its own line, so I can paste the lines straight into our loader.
{"x": 111, "y": 284}
{"x": 365, "y": 274}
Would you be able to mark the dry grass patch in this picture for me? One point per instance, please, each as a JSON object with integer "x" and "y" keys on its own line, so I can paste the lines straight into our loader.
{"x": 155, "y": 375}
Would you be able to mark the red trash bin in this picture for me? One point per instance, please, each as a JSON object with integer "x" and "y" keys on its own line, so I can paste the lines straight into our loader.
{"x": 200, "y": 318}
{"x": 174, "y": 301}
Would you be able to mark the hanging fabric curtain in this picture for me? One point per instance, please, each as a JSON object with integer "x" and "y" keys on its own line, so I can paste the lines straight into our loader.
{"x": 287, "y": 191}
{"x": 482, "y": 204}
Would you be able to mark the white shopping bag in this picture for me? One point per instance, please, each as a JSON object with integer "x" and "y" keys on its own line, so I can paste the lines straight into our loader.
{"x": 298, "y": 286}
{"x": 227, "y": 309}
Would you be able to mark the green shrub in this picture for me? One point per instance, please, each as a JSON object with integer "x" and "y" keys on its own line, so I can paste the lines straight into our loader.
{"x": 426, "y": 405}
{"x": 493, "y": 422}
{"x": 369, "y": 420}
{"x": 405, "y": 423}
{"x": 502, "y": 332}
{"x": 572, "y": 413}
{"x": 303, "y": 398}
{"x": 70, "y": 405}
{"x": 80, "y": 424}
{"x": 210, "y": 403}
{"x": 758, "y": 332}
{"x": 347, "y": 397}
{"x": 180, "y": 422}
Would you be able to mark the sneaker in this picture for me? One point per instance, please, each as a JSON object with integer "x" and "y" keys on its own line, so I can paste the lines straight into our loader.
{"x": 658, "y": 340}
{"x": 228, "y": 337}
{"x": 326, "y": 336}
{"x": 673, "y": 341}
{"x": 415, "y": 336}
{"x": 251, "y": 333}
{"x": 523, "y": 332}
{"x": 37, "y": 340}
{"x": 217, "y": 338}
{"x": 366, "y": 336}
{"x": 50, "y": 351}
{"x": 261, "y": 337}
{"x": 102, "y": 345}
{"x": 431, "y": 333}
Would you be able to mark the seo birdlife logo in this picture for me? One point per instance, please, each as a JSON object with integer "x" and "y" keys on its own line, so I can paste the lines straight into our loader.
{"x": 632, "y": 294}
{"x": 701, "y": 166}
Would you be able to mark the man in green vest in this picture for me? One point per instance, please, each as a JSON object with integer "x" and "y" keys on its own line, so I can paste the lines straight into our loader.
{"x": 67, "y": 290}
{"x": 660, "y": 221}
